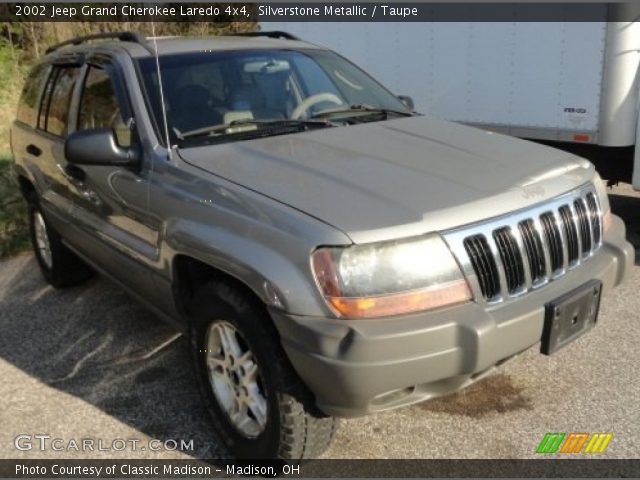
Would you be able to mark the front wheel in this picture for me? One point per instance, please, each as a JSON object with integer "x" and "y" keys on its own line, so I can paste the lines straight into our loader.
{"x": 258, "y": 405}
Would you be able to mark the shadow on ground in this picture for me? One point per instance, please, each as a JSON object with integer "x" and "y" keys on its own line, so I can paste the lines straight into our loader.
{"x": 96, "y": 343}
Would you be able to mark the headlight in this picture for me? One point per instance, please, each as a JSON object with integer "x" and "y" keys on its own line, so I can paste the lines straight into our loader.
{"x": 391, "y": 278}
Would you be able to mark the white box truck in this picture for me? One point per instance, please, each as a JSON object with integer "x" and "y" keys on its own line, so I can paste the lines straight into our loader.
{"x": 573, "y": 85}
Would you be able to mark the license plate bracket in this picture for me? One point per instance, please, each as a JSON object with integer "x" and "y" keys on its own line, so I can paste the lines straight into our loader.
{"x": 569, "y": 316}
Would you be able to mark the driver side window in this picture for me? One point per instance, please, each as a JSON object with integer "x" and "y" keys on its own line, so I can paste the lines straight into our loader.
{"x": 99, "y": 106}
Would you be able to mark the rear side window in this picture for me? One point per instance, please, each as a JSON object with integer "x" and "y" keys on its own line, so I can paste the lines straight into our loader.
{"x": 99, "y": 107}
{"x": 28, "y": 106}
{"x": 57, "y": 118}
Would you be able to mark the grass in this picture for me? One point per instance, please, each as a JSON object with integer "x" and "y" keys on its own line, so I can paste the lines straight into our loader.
{"x": 14, "y": 229}
{"x": 12, "y": 75}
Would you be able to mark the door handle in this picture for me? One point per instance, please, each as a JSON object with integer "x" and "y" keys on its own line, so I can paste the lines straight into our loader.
{"x": 33, "y": 150}
{"x": 73, "y": 172}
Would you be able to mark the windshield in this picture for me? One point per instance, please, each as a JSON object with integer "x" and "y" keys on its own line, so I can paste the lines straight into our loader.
{"x": 219, "y": 94}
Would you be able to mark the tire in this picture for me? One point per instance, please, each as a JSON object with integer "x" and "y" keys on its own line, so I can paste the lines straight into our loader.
{"x": 59, "y": 265}
{"x": 292, "y": 428}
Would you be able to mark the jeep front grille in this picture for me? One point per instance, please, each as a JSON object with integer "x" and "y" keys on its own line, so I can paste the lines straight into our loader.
{"x": 570, "y": 233}
{"x": 594, "y": 211}
{"x": 511, "y": 255}
{"x": 483, "y": 264}
{"x": 533, "y": 249}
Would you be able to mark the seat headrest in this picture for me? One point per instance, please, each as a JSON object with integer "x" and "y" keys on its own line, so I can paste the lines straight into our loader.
{"x": 247, "y": 97}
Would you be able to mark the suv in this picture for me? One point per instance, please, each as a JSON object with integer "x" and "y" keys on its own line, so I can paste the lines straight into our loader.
{"x": 328, "y": 251}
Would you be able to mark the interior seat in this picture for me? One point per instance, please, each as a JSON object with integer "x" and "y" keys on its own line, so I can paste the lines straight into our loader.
{"x": 193, "y": 108}
{"x": 250, "y": 97}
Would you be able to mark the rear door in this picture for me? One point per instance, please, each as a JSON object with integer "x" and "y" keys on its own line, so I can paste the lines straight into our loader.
{"x": 26, "y": 144}
{"x": 39, "y": 133}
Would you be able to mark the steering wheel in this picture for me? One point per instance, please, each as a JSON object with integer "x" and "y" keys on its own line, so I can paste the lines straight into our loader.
{"x": 309, "y": 102}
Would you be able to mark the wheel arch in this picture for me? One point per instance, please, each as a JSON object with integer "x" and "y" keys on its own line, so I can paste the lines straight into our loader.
{"x": 189, "y": 273}
{"x": 27, "y": 188}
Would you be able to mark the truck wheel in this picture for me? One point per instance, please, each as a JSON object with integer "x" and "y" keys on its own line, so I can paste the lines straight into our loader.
{"x": 59, "y": 265}
{"x": 259, "y": 406}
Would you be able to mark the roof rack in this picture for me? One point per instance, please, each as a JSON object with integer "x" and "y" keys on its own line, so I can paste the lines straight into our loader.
{"x": 269, "y": 34}
{"x": 122, "y": 36}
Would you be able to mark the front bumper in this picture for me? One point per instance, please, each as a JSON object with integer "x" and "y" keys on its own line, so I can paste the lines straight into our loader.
{"x": 356, "y": 367}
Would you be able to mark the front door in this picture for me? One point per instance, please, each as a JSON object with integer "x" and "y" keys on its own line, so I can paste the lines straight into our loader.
{"x": 109, "y": 209}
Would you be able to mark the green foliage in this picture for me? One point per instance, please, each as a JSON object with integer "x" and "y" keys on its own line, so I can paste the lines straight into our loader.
{"x": 12, "y": 73}
{"x": 14, "y": 230}
{"x": 31, "y": 39}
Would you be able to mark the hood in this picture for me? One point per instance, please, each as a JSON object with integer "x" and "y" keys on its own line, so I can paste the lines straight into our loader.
{"x": 398, "y": 178}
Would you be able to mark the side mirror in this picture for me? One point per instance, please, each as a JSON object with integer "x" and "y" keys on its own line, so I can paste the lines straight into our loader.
{"x": 98, "y": 147}
{"x": 407, "y": 101}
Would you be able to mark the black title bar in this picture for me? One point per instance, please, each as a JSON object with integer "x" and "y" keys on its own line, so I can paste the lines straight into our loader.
{"x": 537, "y": 468}
{"x": 318, "y": 12}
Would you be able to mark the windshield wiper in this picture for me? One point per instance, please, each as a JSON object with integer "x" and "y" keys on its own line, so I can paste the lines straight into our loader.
{"x": 252, "y": 121}
{"x": 361, "y": 107}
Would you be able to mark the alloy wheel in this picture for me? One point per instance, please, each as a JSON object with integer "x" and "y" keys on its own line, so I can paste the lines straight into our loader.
{"x": 42, "y": 240}
{"x": 235, "y": 379}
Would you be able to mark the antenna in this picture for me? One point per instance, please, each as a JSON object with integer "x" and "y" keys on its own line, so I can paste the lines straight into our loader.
{"x": 162, "y": 104}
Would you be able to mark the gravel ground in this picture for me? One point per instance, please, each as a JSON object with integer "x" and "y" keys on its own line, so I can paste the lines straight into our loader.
{"x": 90, "y": 363}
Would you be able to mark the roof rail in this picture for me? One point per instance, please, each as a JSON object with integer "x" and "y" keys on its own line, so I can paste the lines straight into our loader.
{"x": 270, "y": 34}
{"x": 122, "y": 36}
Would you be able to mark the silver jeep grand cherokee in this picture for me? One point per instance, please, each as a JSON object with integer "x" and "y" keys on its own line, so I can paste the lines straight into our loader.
{"x": 329, "y": 252}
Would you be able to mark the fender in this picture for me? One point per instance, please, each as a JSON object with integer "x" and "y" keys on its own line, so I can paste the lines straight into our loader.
{"x": 281, "y": 277}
